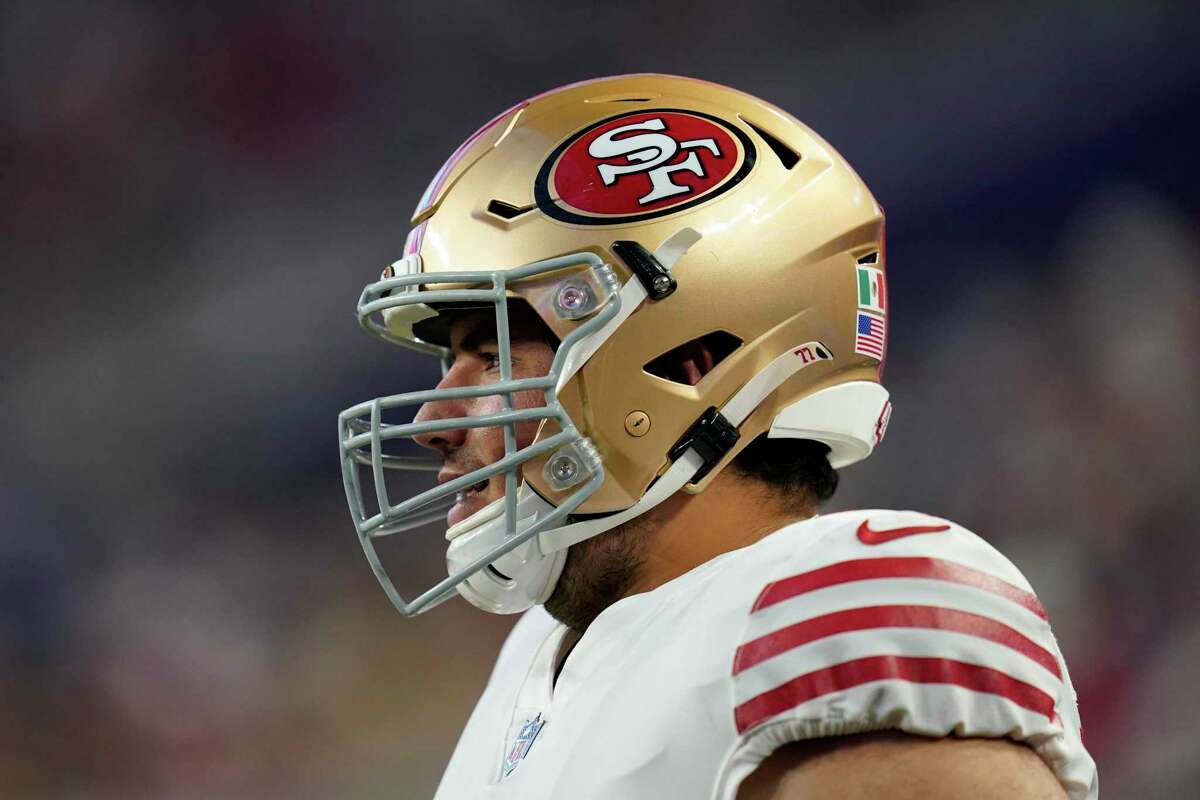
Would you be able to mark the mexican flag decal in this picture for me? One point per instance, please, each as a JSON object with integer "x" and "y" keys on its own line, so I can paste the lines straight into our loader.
{"x": 872, "y": 293}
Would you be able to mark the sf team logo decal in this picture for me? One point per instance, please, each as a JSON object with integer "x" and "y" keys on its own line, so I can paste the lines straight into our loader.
{"x": 640, "y": 166}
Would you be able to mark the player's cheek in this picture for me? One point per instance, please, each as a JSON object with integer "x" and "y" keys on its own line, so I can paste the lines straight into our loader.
{"x": 486, "y": 444}
{"x": 529, "y": 399}
{"x": 526, "y": 432}
{"x": 482, "y": 406}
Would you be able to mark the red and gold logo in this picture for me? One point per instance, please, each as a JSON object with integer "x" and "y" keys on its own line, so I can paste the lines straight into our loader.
{"x": 640, "y": 166}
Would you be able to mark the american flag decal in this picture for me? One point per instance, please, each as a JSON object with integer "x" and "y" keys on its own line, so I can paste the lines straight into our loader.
{"x": 869, "y": 336}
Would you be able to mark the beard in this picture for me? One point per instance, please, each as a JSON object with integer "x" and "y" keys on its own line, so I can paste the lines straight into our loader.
{"x": 598, "y": 572}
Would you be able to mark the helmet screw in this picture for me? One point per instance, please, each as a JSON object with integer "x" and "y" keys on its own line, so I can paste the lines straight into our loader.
{"x": 661, "y": 283}
{"x": 637, "y": 423}
{"x": 573, "y": 299}
{"x": 571, "y": 464}
{"x": 564, "y": 468}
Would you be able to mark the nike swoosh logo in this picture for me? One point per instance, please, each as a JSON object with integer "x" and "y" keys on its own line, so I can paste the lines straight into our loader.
{"x": 868, "y": 536}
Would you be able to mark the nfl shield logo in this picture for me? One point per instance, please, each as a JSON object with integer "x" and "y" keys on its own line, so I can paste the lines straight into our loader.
{"x": 520, "y": 746}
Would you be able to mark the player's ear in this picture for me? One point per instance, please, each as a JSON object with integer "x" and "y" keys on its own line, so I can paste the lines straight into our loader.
{"x": 691, "y": 361}
{"x": 697, "y": 361}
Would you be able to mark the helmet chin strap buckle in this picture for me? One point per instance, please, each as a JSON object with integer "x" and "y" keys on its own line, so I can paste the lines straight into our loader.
{"x": 711, "y": 436}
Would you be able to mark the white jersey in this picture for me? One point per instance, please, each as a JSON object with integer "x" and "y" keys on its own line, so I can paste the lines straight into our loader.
{"x": 852, "y": 622}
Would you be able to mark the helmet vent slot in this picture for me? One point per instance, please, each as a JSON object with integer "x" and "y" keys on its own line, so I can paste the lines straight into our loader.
{"x": 786, "y": 155}
{"x": 869, "y": 258}
{"x": 689, "y": 362}
{"x": 507, "y": 210}
{"x": 622, "y": 98}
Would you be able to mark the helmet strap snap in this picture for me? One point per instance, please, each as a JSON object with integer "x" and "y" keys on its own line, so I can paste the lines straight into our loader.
{"x": 656, "y": 278}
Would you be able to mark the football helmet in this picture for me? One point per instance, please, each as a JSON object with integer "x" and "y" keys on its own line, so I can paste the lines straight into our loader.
{"x": 633, "y": 214}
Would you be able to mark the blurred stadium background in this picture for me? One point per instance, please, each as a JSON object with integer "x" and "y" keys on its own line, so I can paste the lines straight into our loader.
{"x": 194, "y": 195}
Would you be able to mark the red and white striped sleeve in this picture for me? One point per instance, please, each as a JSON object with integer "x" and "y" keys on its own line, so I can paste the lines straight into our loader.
{"x": 901, "y": 621}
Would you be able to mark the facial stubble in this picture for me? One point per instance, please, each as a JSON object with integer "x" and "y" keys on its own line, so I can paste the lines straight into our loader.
{"x": 600, "y": 571}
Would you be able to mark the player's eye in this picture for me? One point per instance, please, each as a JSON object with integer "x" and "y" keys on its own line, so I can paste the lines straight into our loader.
{"x": 490, "y": 360}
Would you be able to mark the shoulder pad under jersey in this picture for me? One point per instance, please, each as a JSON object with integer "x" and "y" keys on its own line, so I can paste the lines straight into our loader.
{"x": 896, "y": 620}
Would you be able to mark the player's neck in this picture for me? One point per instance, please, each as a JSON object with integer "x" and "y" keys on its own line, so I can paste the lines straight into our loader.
{"x": 692, "y": 529}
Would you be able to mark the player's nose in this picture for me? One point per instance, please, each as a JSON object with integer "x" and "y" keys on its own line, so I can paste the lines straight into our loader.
{"x": 450, "y": 439}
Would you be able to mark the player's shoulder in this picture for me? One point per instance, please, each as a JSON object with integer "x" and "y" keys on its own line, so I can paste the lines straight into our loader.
{"x": 904, "y": 584}
{"x": 886, "y": 582}
{"x": 883, "y": 619}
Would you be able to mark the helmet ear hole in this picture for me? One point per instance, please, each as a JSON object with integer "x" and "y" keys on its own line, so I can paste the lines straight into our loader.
{"x": 687, "y": 363}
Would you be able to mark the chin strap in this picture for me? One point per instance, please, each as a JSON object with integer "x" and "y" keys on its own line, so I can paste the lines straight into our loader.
{"x": 684, "y": 470}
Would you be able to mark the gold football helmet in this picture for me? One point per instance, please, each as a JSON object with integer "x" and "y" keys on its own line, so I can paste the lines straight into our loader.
{"x": 633, "y": 214}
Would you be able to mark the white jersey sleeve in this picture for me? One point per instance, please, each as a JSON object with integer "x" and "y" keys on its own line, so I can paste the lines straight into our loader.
{"x": 896, "y": 620}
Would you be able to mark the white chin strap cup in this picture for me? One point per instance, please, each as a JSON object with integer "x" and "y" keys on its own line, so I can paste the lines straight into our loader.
{"x": 517, "y": 580}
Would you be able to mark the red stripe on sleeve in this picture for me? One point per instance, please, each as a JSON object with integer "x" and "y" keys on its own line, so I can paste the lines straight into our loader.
{"x": 914, "y": 670}
{"x": 913, "y": 567}
{"x": 871, "y": 617}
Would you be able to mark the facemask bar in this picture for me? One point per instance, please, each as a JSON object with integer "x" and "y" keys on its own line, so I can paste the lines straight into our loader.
{"x": 362, "y": 433}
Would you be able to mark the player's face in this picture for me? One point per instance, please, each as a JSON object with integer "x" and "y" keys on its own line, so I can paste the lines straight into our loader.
{"x": 476, "y": 363}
